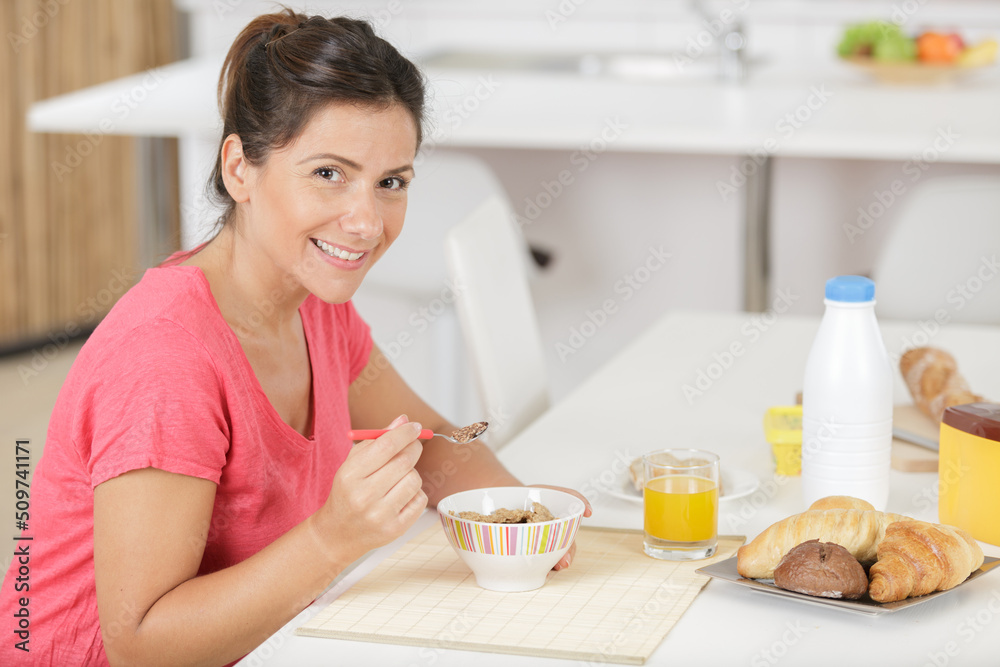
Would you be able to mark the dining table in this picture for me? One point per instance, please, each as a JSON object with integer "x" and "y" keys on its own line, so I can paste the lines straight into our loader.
{"x": 704, "y": 380}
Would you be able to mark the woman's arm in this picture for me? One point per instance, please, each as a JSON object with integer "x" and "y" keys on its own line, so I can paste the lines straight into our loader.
{"x": 379, "y": 394}
{"x": 150, "y": 528}
{"x": 445, "y": 467}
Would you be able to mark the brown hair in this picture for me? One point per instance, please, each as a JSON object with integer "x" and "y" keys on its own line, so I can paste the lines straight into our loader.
{"x": 283, "y": 67}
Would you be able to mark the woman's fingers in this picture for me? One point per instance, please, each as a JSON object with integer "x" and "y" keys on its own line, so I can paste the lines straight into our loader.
{"x": 395, "y": 468}
{"x": 587, "y": 509}
{"x": 408, "y": 496}
{"x": 379, "y": 475}
{"x": 566, "y": 560}
{"x": 368, "y": 456}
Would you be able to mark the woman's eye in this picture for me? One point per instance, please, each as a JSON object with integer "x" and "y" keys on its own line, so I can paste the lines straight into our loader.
{"x": 328, "y": 174}
{"x": 394, "y": 183}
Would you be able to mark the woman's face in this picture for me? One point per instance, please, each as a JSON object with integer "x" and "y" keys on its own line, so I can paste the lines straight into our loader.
{"x": 327, "y": 206}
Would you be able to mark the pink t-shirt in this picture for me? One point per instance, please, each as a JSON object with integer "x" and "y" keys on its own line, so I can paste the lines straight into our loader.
{"x": 164, "y": 383}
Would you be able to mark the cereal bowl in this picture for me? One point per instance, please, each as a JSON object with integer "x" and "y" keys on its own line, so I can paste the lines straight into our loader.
{"x": 511, "y": 556}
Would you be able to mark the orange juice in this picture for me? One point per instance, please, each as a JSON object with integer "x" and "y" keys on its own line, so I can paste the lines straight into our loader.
{"x": 681, "y": 508}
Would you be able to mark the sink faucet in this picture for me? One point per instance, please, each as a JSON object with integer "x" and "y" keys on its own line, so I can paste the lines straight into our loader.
{"x": 732, "y": 64}
{"x": 731, "y": 39}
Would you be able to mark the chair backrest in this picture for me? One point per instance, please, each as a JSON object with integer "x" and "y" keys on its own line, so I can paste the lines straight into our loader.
{"x": 486, "y": 257}
{"x": 942, "y": 254}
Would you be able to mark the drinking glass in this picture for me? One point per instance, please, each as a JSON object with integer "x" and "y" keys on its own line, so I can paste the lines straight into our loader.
{"x": 680, "y": 504}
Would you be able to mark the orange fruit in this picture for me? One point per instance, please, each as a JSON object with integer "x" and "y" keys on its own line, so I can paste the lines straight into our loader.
{"x": 937, "y": 48}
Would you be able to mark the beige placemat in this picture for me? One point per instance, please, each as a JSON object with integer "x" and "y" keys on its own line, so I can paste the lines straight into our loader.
{"x": 615, "y": 604}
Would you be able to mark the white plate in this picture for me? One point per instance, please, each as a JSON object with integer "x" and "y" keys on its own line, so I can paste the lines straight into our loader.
{"x": 736, "y": 483}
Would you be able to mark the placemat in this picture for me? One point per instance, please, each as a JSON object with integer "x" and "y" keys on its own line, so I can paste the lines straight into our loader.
{"x": 615, "y": 604}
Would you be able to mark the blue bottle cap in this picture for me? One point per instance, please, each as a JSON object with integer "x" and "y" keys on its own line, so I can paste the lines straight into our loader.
{"x": 851, "y": 289}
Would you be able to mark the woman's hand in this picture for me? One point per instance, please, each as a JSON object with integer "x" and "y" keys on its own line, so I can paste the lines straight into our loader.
{"x": 375, "y": 496}
{"x": 565, "y": 561}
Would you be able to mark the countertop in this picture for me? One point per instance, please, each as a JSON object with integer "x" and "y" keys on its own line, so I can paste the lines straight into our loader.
{"x": 828, "y": 111}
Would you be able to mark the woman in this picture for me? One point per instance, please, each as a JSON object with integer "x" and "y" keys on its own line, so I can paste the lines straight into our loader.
{"x": 197, "y": 487}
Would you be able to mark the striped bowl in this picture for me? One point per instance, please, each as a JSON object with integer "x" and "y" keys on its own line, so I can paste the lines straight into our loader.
{"x": 511, "y": 557}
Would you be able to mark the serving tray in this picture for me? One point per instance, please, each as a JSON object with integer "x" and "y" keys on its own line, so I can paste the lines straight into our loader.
{"x": 726, "y": 571}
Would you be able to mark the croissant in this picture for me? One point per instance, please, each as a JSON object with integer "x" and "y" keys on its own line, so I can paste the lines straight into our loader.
{"x": 917, "y": 558}
{"x": 858, "y": 531}
{"x": 933, "y": 379}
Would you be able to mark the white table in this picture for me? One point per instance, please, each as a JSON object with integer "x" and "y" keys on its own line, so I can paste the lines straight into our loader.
{"x": 636, "y": 403}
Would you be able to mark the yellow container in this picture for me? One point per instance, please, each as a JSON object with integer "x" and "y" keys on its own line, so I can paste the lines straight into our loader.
{"x": 783, "y": 429}
{"x": 969, "y": 470}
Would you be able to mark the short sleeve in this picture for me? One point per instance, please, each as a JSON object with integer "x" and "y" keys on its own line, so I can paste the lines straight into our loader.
{"x": 359, "y": 339}
{"x": 155, "y": 400}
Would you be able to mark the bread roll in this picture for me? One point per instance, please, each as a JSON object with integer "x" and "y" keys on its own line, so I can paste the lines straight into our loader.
{"x": 823, "y": 569}
{"x": 933, "y": 379}
{"x": 841, "y": 503}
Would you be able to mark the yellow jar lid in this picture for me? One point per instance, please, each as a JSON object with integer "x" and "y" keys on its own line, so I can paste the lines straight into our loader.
{"x": 783, "y": 424}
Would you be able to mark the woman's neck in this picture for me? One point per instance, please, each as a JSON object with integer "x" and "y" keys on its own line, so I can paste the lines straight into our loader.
{"x": 255, "y": 298}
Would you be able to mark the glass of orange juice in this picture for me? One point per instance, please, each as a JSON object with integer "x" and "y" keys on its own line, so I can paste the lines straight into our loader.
{"x": 680, "y": 503}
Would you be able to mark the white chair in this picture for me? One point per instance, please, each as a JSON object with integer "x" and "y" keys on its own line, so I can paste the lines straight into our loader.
{"x": 942, "y": 253}
{"x": 407, "y": 298}
{"x": 487, "y": 260}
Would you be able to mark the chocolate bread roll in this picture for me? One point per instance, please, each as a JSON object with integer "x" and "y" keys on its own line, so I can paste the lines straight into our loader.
{"x": 823, "y": 569}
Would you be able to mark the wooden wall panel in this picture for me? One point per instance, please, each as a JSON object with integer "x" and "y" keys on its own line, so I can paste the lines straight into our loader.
{"x": 68, "y": 209}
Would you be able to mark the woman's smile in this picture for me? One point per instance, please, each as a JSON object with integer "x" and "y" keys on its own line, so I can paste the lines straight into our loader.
{"x": 341, "y": 256}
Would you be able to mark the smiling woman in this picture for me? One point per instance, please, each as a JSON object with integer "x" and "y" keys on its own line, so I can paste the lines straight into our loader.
{"x": 198, "y": 487}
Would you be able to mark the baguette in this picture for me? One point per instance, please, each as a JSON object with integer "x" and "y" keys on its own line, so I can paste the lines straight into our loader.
{"x": 858, "y": 531}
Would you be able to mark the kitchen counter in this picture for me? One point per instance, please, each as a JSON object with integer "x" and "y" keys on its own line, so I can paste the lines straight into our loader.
{"x": 827, "y": 111}
{"x": 831, "y": 112}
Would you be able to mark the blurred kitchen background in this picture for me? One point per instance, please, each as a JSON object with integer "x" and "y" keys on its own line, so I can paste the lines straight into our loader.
{"x": 656, "y": 154}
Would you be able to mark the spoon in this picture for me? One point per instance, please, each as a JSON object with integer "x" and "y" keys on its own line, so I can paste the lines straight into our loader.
{"x": 462, "y": 435}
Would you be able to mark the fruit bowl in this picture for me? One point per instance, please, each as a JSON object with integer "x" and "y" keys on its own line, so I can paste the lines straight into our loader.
{"x": 912, "y": 72}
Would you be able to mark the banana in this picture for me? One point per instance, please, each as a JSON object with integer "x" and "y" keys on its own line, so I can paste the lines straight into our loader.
{"x": 980, "y": 54}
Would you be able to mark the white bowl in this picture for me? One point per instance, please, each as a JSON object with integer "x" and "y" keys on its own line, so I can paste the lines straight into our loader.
{"x": 511, "y": 557}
